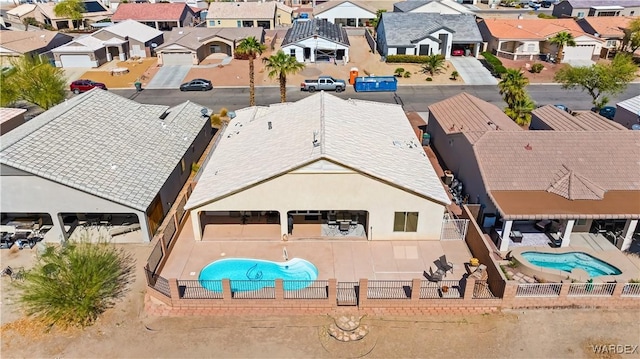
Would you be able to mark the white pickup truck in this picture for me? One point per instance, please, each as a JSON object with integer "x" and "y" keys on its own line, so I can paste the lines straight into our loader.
{"x": 326, "y": 83}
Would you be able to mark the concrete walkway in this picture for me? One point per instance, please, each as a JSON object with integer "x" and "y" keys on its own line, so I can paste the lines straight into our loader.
{"x": 472, "y": 71}
{"x": 169, "y": 77}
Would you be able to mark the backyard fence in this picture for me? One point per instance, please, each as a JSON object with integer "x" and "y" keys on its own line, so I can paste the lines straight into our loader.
{"x": 631, "y": 290}
{"x": 454, "y": 229}
{"x": 538, "y": 290}
{"x": 591, "y": 289}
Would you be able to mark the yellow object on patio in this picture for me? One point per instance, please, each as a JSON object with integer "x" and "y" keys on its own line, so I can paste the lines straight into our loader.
{"x": 474, "y": 262}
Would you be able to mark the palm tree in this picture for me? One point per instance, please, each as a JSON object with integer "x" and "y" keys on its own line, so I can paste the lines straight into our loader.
{"x": 72, "y": 9}
{"x": 512, "y": 86}
{"x": 252, "y": 48}
{"x": 433, "y": 64}
{"x": 520, "y": 110}
{"x": 280, "y": 65}
{"x": 562, "y": 39}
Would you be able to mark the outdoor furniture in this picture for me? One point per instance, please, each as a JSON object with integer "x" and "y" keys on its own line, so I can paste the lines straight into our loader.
{"x": 516, "y": 236}
{"x": 445, "y": 265}
{"x": 434, "y": 277}
{"x": 7, "y": 240}
{"x": 556, "y": 238}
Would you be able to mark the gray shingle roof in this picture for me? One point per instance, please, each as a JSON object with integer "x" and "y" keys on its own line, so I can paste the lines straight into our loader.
{"x": 302, "y": 30}
{"x": 406, "y": 6}
{"x": 401, "y": 28}
{"x": 106, "y": 145}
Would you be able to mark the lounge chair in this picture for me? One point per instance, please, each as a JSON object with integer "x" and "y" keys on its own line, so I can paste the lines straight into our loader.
{"x": 434, "y": 277}
{"x": 444, "y": 264}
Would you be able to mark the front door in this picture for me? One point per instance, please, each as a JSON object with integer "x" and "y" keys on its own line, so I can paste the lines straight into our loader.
{"x": 307, "y": 53}
{"x": 340, "y": 54}
{"x": 444, "y": 40}
{"x": 424, "y": 50}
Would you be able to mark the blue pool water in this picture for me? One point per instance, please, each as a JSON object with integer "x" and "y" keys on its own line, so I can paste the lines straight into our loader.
{"x": 568, "y": 261}
{"x": 248, "y": 274}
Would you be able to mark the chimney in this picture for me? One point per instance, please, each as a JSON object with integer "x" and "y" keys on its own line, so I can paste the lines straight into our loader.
{"x": 269, "y": 125}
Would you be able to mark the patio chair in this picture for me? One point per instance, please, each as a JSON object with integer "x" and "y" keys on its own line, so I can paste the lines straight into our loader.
{"x": 434, "y": 277}
{"x": 444, "y": 264}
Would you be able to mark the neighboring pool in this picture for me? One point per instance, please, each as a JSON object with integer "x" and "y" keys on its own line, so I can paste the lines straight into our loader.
{"x": 568, "y": 261}
{"x": 248, "y": 274}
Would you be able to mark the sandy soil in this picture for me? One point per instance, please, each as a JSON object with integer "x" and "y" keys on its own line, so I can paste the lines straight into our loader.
{"x": 137, "y": 68}
{"x": 125, "y": 331}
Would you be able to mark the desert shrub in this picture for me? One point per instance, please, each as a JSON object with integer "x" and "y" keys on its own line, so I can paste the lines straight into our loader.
{"x": 429, "y": 79}
{"x": 454, "y": 75}
{"x": 72, "y": 284}
{"x": 545, "y": 16}
{"x": 410, "y": 59}
{"x": 407, "y": 75}
{"x": 216, "y": 121}
{"x": 494, "y": 63}
{"x": 195, "y": 167}
{"x": 537, "y": 68}
{"x": 224, "y": 112}
{"x": 399, "y": 71}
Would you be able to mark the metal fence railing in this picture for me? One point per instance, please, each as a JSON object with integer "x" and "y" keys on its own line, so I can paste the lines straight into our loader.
{"x": 451, "y": 289}
{"x": 429, "y": 290}
{"x": 155, "y": 257}
{"x": 169, "y": 232}
{"x": 306, "y": 289}
{"x": 157, "y": 282}
{"x": 195, "y": 289}
{"x": 631, "y": 290}
{"x": 347, "y": 293}
{"x": 253, "y": 289}
{"x": 481, "y": 290}
{"x": 591, "y": 289}
{"x": 389, "y": 289}
{"x": 538, "y": 289}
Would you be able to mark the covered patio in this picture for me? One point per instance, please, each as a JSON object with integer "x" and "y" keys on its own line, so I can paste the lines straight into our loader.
{"x": 345, "y": 259}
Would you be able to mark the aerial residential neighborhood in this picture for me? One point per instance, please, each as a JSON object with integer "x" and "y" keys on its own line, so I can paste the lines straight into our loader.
{"x": 361, "y": 175}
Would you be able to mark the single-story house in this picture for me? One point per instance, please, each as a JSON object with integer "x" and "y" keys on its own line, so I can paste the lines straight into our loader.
{"x": 346, "y": 13}
{"x": 83, "y": 51}
{"x": 316, "y": 40}
{"x": 528, "y": 39}
{"x": 189, "y": 46}
{"x": 102, "y": 156}
{"x": 267, "y": 15}
{"x": 609, "y": 28}
{"x": 583, "y": 8}
{"x": 113, "y": 4}
{"x": 628, "y": 113}
{"x": 10, "y": 118}
{"x": 43, "y": 12}
{"x": 161, "y": 16}
{"x": 427, "y": 34}
{"x": 41, "y": 42}
{"x": 549, "y": 117}
{"x": 520, "y": 175}
{"x": 433, "y": 6}
{"x": 130, "y": 38}
{"x": 352, "y": 168}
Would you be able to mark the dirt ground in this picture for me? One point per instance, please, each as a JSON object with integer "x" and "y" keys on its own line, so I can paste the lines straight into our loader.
{"x": 237, "y": 72}
{"x": 138, "y": 70}
{"x": 125, "y": 331}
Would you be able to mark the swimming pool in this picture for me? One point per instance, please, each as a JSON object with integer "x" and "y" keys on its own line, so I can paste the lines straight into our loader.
{"x": 248, "y": 274}
{"x": 571, "y": 260}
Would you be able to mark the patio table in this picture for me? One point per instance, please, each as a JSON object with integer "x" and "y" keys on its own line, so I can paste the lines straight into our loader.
{"x": 516, "y": 236}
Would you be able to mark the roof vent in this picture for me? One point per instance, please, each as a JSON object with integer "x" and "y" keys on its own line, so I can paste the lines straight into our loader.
{"x": 164, "y": 115}
{"x": 269, "y": 125}
{"x": 204, "y": 111}
{"x": 528, "y": 147}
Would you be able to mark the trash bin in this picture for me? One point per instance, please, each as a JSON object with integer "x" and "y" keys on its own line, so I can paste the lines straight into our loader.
{"x": 352, "y": 75}
{"x": 138, "y": 85}
{"x": 426, "y": 138}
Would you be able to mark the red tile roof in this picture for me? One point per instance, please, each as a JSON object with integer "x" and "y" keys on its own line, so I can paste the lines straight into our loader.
{"x": 150, "y": 12}
{"x": 531, "y": 29}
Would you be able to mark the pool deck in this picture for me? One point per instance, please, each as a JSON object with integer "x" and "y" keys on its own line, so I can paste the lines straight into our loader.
{"x": 345, "y": 259}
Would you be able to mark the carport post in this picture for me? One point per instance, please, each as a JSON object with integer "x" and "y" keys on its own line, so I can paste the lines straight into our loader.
{"x": 196, "y": 225}
{"x": 284, "y": 222}
{"x": 627, "y": 232}
{"x": 60, "y": 223}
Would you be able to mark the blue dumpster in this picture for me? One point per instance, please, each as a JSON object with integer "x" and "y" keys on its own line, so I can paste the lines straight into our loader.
{"x": 376, "y": 83}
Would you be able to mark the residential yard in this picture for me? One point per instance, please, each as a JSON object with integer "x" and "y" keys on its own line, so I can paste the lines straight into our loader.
{"x": 126, "y": 331}
{"x": 138, "y": 70}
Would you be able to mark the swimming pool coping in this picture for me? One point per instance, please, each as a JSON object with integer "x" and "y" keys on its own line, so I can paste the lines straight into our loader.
{"x": 557, "y": 275}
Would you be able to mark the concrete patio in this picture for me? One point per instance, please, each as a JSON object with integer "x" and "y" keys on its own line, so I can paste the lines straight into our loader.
{"x": 340, "y": 258}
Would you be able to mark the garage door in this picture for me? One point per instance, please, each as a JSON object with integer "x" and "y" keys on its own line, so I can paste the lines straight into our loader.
{"x": 580, "y": 52}
{"x": 177, "y": 58}
{"x": 76, "y": 61}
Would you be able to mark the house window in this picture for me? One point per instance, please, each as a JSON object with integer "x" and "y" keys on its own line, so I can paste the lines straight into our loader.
{"x": 212, "y": 23}
{"x": 401, "y": 50}
{"x": 292, "y": 52}
{"x": 531, "y": 48}
{"x": 182, "y": 166}
{"x": 581, "y": 222}
{"x": 581, "y": 14}
{"x": 239, "y": 23}
{"x": 612, "y": 43}
{"x": 405, "y": 222}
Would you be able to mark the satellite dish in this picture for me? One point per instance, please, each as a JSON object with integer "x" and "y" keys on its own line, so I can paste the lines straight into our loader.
{"x": 231, "y": 114}
{"x": 153, "y": 44}
{"x": 204, "y": 111}
{"x": 636, "y": 127}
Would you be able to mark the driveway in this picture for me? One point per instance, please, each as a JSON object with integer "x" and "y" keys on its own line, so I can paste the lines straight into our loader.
{"x": 472, "y": 71}
{"x": 169, "y": 77}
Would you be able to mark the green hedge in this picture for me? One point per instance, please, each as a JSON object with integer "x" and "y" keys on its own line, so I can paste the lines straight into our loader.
{"x": 496, "y": 65}
{"x": 411, "y": 59}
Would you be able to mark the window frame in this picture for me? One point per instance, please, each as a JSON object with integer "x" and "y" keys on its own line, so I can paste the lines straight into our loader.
{"x": 409, "y": 222}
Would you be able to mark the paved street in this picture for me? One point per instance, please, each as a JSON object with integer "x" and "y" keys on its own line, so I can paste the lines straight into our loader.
{"x": 414, "y": 98}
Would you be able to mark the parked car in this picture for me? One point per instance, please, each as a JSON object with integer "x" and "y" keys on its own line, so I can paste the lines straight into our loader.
{"x": 326, "y": 83}
{"x": 196, "y": 85}
{"x": 608, "y": 112}
{"x": 563, "y": 108}
{"x": 457, "y": 52}
{"x": 79, "y": 86}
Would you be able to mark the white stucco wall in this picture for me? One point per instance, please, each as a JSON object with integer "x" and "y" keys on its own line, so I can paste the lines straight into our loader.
{"x": 312, "y": 43}
{"x": 346, "y": 10}
{"x": 336, "y": 191}
{"x": 32, "y": 194}
{"x": 434, "y": 46}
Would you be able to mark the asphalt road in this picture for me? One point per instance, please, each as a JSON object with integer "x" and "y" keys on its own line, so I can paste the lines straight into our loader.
{"x": 414, "y": 98}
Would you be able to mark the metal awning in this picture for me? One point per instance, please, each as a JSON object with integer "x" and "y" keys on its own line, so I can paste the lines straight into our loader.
{"x": 606, "y": 7}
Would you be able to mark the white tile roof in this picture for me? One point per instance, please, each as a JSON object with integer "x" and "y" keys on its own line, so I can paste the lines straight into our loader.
{"x": 632, "y": 105}
{"x": 81, "y": 44}
{"x": 369, "y": 137}
{"x": 134, "y": 30}
{"x": 106, "y": 145}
